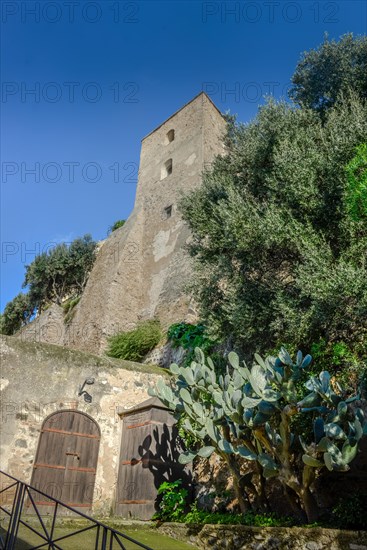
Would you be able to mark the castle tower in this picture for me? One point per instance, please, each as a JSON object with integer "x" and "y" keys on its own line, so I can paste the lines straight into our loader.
{"x": 141, "y": 269}
{"x": 172, "y": 160}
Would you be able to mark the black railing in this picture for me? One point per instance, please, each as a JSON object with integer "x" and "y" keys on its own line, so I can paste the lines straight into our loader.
{"x": 19, "y": 497}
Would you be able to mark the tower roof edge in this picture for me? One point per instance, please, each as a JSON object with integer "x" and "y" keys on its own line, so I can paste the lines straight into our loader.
{"x": 181, "y": 108}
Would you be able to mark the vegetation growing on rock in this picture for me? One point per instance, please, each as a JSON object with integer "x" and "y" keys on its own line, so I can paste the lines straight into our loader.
{"x": 116, "y": 225}
{"x": 52, "y": 277}
{"x": 134, "y": 344}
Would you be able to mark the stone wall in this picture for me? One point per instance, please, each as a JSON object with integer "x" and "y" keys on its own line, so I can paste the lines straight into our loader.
{"x": 38, "y": 379}
{"x": 238, "y": 537}
{"x": 142, "y": 268}
{"x": 48, "y": 327}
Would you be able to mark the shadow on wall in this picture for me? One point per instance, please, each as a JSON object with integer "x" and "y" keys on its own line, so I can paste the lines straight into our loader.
{"x": 160, "y": 454}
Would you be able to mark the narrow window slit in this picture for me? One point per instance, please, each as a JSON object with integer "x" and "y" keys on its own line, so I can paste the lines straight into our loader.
{"x": 170, "y": 136}
{"x": 167, "y": 212}
{"x": 166, "y": 169}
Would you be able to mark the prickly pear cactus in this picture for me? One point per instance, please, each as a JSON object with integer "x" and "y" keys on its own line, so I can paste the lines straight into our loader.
{"x": 247, "y": 413}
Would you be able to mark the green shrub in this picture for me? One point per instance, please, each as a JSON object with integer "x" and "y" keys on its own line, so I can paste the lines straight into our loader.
{"x": 173, "y": 504}
{"x": 133, "y": 345}
{"x": 338, "y": 357}
{"x": 116, "y": 225}
{"x": 189, "y": 337}
{"x": 227, "y": 518}
{"x": 186, "y": 335}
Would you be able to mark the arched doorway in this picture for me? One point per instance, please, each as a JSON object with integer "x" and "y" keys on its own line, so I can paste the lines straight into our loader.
{"x": 66, "y": 460}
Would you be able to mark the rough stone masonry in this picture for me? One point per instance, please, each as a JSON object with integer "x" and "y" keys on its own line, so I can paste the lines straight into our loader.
{"x": 38, "y": 379}
{"x": 141, "y": 269}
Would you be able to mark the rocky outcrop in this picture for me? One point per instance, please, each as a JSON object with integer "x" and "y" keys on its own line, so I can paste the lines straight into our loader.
{"x": 142, "y": 269}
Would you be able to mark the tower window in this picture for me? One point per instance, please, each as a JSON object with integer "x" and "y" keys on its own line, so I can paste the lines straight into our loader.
{"x": 167, "y": 212}
{"x": 166, "y": 169}
{"x": 170, "y": 136}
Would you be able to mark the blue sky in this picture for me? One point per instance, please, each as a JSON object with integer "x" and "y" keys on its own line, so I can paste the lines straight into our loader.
{"x": 103, "y": 75}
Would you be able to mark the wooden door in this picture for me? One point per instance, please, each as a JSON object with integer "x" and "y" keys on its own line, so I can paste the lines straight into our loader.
{"x": 66, "y": 460}
{"x": 149, "y": 455}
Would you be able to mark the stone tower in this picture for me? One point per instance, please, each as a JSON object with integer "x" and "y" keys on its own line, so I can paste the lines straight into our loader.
{"x": 141, "y": 269}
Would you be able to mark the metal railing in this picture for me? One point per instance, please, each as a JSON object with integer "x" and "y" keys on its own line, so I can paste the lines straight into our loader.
{"x": 104, "y": 537}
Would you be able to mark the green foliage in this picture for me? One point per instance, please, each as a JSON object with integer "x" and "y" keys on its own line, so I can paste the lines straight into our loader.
{"x": 186, "y": 335}
{"x": 60, "y": 272}
{"x": 134, "y": 344}
{"x": 247, "y": 415}
{"x": 52, "y": 277}
{"x": 334, "y": 68}
{"x": 70, "y": 304}
{"x": 351, "y": 513}
{"x": 16, "y": 314}
{"x": 356, "y": 192}
{"x": 69, "y": 308}
{"x": 173, "y": 503}
{"x": 340, "y": 360}
{"x": 225, "y": 518}
{"x": 277, "y": 256}
{"x": 189, "y": 337}
{"x": 116, "y": 225}
{"x": 190, "y": 440}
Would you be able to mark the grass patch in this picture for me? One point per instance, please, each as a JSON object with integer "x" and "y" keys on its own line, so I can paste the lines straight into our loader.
{"x": 28, "y": 540}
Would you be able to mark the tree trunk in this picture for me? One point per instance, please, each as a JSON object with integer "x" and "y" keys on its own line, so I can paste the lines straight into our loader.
{"x": 238, "y": 483}
{"x": 262, "y": 499}
{"x": 293, "y": 501}
{"x": 308, "y": 500}
{"x": 309, "y": 505}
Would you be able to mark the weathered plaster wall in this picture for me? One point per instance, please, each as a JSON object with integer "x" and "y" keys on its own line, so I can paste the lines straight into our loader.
{"x": 142, "y": 268}
{"x": 38, "y": 379}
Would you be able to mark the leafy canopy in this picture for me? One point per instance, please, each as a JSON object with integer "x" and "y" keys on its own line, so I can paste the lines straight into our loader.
{"x": 60, "y": 272}
{"x": 279, "y": 258}
{"x": 356, "y": 193}
{"x": 53, "y": 276}
{"x": 332, "y": 69}
{"x": 16, "y": 314}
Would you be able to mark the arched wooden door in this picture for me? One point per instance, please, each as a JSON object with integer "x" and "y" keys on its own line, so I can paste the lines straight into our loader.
{"x": 66, "y": 460}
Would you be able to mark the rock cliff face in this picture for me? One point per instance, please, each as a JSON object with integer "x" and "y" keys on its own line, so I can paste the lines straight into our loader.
{"x": 141, "y": 269}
